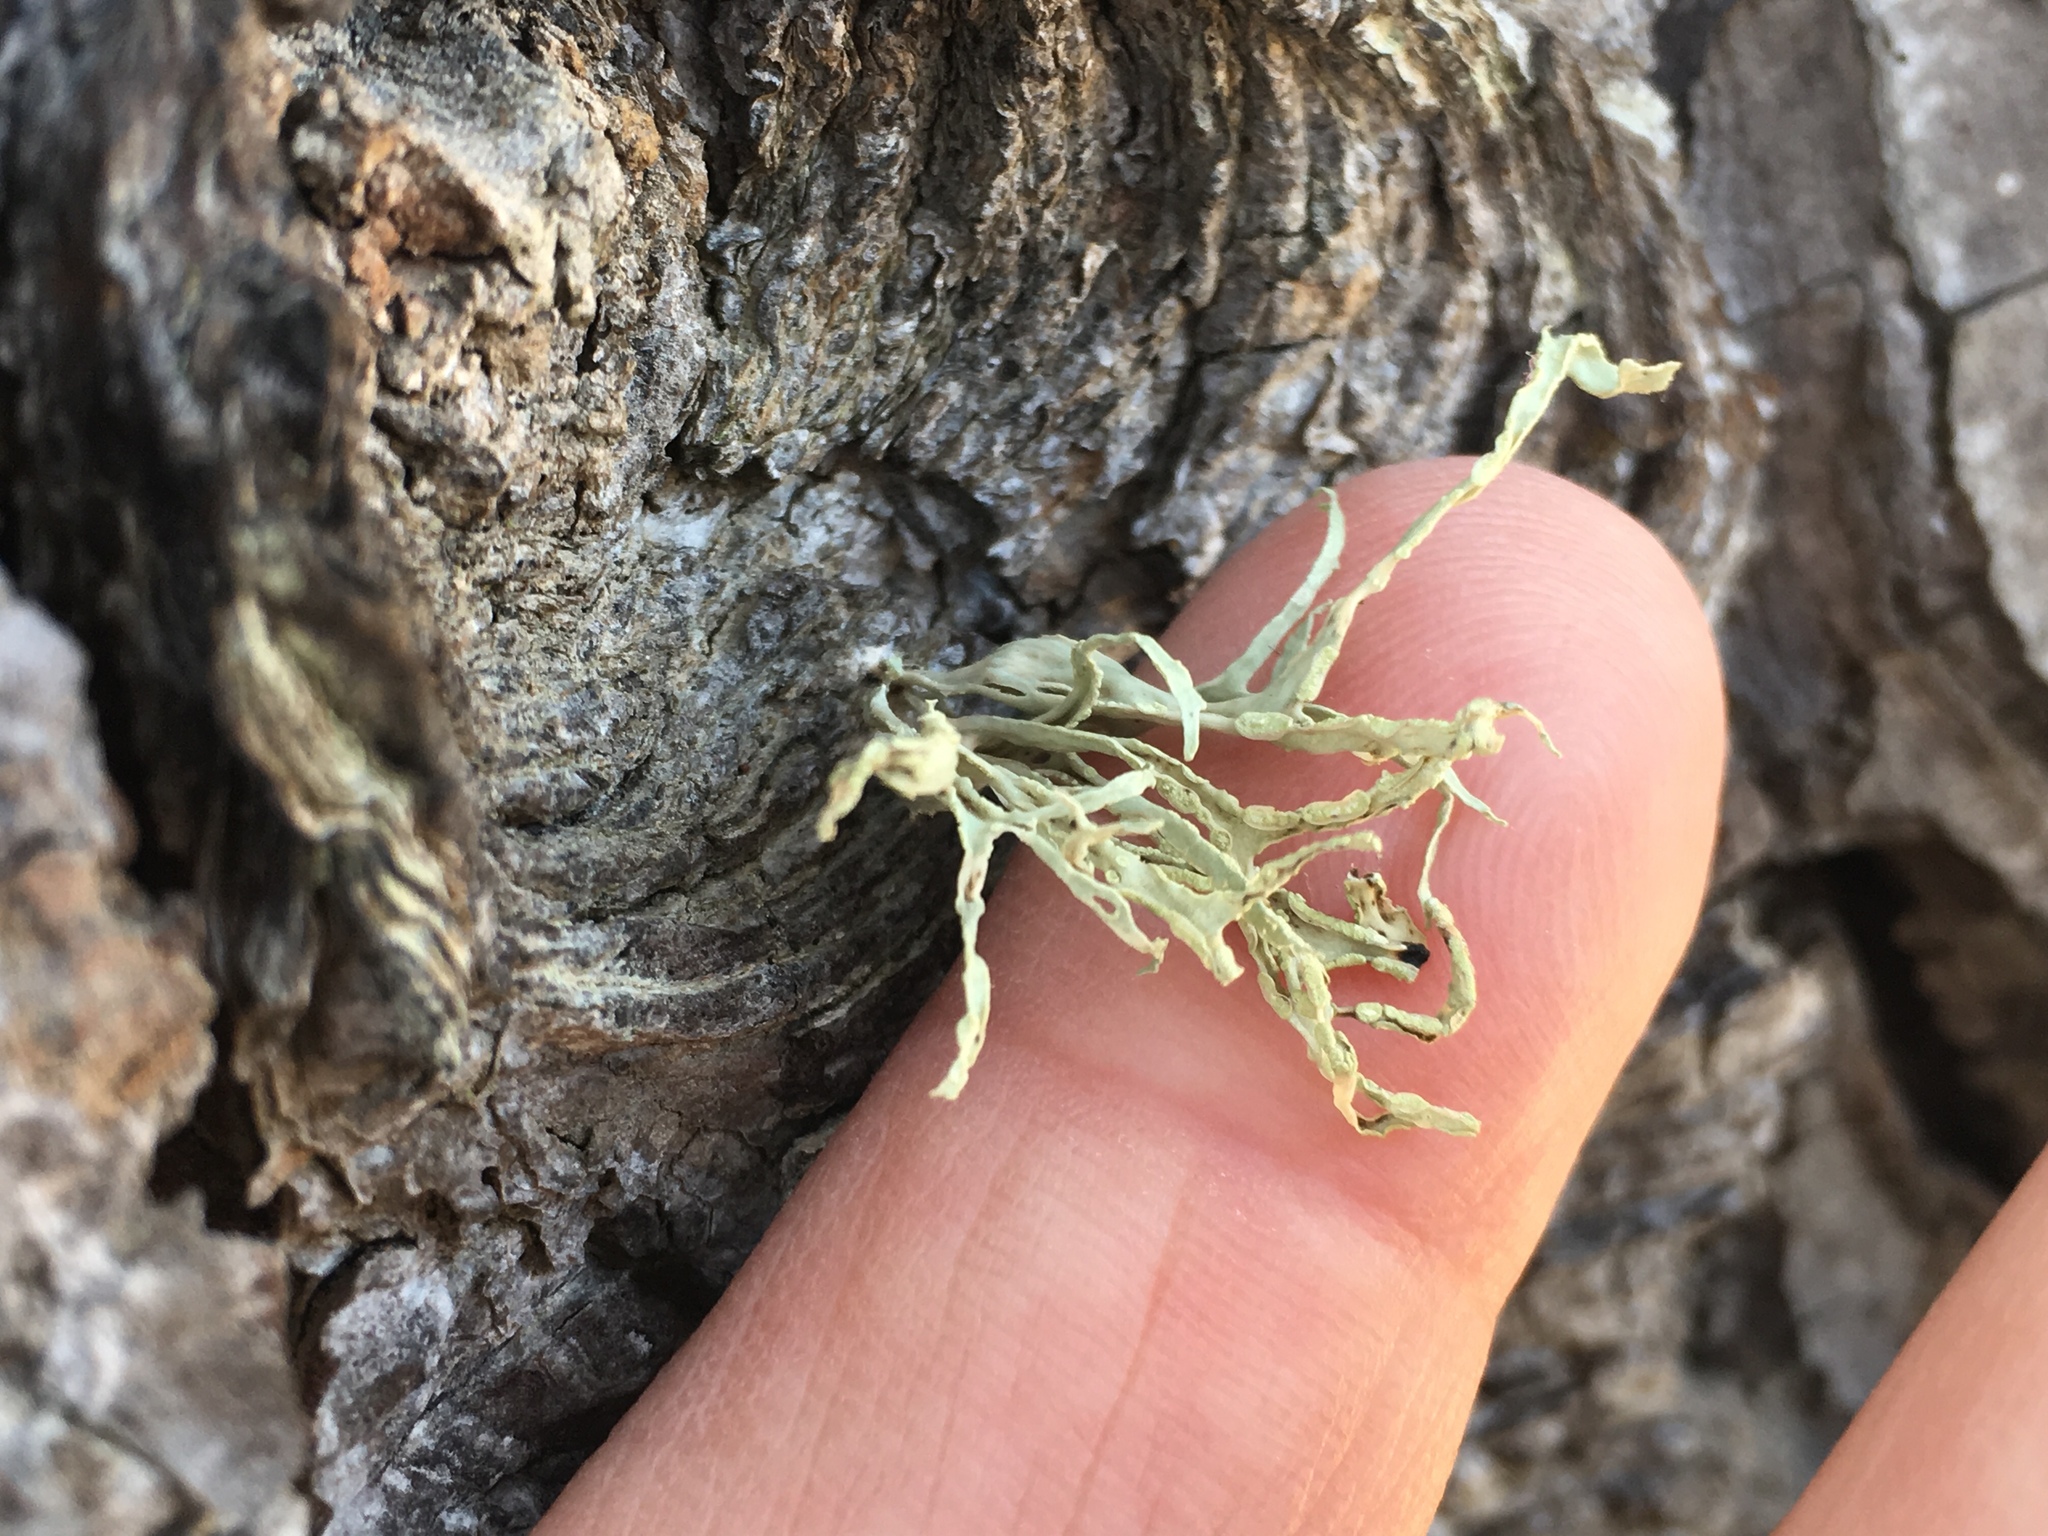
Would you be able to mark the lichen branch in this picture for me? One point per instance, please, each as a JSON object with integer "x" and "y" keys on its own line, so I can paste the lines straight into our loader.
{"x": 1160, "y": 837}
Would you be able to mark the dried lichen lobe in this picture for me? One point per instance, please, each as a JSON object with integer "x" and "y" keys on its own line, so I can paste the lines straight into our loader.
{"x": 1158, "y": 835}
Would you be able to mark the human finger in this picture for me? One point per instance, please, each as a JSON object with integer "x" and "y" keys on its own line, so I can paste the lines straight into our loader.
{"x": 1955, "y": 1437}
{"x": 1140, "y": 1276}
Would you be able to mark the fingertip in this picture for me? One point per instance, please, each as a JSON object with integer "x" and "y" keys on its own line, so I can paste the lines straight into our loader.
{"x": 1576, "y": 911}
{"x": 1141, "y": 1274}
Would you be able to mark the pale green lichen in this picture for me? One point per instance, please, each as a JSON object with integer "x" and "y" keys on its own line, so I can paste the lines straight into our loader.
{"x": 1150, "y": 832}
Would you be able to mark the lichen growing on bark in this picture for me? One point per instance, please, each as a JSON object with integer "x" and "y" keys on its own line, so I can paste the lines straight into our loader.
{"x": 1153, "y": 833}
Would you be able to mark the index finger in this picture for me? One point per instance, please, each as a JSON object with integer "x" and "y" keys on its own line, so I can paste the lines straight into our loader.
{"x": 1140, "y": 1276}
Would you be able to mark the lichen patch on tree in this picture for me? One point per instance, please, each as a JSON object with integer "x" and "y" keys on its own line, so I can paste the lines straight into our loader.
{"x": 1157, "y": 835}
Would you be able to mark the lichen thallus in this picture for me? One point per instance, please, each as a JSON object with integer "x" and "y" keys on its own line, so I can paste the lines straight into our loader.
{"x": 1153, "y": 833}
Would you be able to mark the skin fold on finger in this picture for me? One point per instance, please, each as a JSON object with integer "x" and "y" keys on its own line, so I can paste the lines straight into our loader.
{"x": 1140, "y": 1276}
{"x": 1955, "y": 1438}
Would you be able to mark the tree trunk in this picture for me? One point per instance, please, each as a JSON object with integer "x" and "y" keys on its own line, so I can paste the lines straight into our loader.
{"x": 481, "y": 449}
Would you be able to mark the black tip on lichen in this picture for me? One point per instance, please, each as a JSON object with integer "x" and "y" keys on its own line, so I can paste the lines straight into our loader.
{"x": 1414, "y": 954}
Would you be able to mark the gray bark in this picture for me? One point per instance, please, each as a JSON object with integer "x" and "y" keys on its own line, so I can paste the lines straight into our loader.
{"x": 481, "y": 447}
{"x": 143, "y": 1379}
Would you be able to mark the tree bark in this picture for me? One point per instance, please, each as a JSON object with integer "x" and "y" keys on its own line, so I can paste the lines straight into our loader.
{"x": 482, "y": 448}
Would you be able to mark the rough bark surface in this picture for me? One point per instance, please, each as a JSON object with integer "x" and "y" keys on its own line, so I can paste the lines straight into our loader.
{"x": 481, "y": 447}
{"x": 144, "y": 1384}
